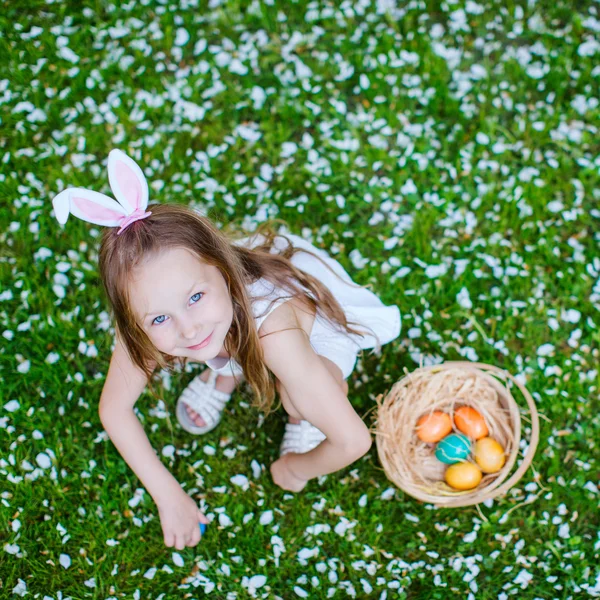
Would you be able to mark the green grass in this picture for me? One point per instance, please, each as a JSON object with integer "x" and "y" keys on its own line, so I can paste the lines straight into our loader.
{"x": 513, "y": 218}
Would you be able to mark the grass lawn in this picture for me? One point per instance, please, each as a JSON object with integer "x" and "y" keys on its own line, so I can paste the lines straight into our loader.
{"x": 445, "y": 152}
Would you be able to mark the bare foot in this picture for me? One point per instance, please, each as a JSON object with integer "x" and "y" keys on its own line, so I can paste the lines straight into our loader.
{"x": 223, "y": 384}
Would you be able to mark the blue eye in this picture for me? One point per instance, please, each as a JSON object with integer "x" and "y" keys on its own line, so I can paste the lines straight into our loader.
{"x": 159, "y": 320}
{"x": 196, "y": 297}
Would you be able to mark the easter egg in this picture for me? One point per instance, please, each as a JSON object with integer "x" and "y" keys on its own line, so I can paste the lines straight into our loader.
{"x": 434, "y": 426}
{"x": 489, "y": 455}
{"x": 463, "y": 476}
{"x": 453, "y": 448}
{"x": 202, "y": 528}
{"x": 470, "y": 422}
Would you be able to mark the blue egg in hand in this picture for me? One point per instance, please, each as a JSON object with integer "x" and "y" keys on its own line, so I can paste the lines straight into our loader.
{"x": 453, "y": 448}
{"x": 202, "y": 528}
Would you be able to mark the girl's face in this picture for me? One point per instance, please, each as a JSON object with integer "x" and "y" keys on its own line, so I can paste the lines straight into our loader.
{"x": 183, "y": 304}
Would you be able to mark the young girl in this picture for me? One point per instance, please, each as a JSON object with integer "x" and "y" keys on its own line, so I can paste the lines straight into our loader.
{"x": 271, "y": 309}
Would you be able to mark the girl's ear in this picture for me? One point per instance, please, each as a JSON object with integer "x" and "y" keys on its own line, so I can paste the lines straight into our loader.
{"x": 127, "y": 181}
{"x": 90, "y": 206}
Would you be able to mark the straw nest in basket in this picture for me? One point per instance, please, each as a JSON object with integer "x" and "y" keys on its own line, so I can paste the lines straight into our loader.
{"x": 411, "y": 464}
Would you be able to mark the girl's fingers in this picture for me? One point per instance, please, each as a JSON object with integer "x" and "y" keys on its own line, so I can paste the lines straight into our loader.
{"x": 202, "y": 518}
{"x": 169, "y": 540}
{"x": 179, "y": 542}
{"x": 194, "y": 538}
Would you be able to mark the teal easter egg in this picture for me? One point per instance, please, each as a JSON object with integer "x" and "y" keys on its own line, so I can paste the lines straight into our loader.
{"x": 453, "y": 448}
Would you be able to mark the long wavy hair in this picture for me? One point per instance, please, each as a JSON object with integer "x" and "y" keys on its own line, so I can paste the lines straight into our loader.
{"x": 177, "y": 226}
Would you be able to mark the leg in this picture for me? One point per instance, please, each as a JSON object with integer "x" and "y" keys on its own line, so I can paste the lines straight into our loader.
{"x": 285, "y": 398}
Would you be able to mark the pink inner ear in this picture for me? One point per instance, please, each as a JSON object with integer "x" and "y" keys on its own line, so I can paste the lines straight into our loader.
{"x": 96, "y": 211}
{"x": 129, "y": 184}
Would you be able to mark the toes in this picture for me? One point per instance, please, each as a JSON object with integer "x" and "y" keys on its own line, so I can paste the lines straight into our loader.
{"x": 195, "y": 417}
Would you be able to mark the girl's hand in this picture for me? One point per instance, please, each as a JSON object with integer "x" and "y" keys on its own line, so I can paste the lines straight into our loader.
{"x": 283, "y": 476}
{"x": 180, "y": 518}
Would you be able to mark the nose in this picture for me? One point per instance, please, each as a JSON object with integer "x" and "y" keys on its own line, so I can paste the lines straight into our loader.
{"x": 188, "y": 330}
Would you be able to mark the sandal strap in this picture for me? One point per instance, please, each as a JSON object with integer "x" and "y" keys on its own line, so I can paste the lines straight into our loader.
{"x": 300, "y": 438}
{"x": 205, "y": 400}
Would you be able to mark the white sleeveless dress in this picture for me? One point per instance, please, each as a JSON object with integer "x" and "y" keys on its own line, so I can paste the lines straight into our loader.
{"x": 360, "y": 305}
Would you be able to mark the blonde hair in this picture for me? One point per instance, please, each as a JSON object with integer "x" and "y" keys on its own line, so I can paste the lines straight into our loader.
{"x": 177, "y": 226}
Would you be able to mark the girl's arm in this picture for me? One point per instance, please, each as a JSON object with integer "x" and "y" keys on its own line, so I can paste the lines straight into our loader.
{"x": 123, "y": 386}
{"x": 316, "y": 395}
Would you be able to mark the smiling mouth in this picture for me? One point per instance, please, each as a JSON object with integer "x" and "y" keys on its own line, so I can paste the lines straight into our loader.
{"x": 201, "y": 344}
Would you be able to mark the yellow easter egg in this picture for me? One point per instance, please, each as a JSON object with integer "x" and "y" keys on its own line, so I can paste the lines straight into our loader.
{"x": 463, "y": 476}
{"x": 489, "y": 455}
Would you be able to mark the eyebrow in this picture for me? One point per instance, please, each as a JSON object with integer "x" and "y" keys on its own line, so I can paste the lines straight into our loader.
{"x": 159, "y": 312}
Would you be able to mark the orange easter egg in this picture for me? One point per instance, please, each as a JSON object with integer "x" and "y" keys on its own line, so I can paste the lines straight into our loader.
{"x": 470, "y": 422}
{"x": 434, "y": 426}
{"x": 489, "y": 455}
{"x": 463, "y": 476}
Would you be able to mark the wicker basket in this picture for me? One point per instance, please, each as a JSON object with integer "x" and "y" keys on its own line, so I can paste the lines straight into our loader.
{"x": 397, "y": 442}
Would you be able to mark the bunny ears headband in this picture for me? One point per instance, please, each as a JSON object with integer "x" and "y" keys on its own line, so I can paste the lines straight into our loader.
{"x": 128, "y": 183}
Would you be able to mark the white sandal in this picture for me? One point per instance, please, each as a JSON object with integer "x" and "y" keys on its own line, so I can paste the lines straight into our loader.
{"x": 205, "y": 400}
{"x": 300, "y": 438}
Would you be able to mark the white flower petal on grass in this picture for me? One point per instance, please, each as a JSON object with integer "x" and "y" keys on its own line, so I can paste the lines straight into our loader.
{"x": 266, "y": 517}
{"x": 258, "y": 96}
{"x": 358, "y": 260}
{"x": 24, "y": 366}
{"x": 224, "y": 520}
{"x": 388, "y": 494}
{"x": 177, "y": 560}
{"x": 43, "y": 460}
{"x": 555, "y": 206}
{"x": 469, "y": 538}
{"x": 182, "y": 37}
{"x": 256, "y": 469}
{"x": 571, "y": 315}
{"x": 168, "y": 451}
{"x": 65, "y": 561}
{"x": 52, "y": 358}
{"x": 12, "y": 405}
{"x": 20, "y": 589}
{"x": 240, "y": 481}
{"x": 288, "y": 149}
{"x": 91, "y": 583}
{"x": 257, "y": 581}
{"x": 150, "y": 573}
{"x": 300, "y": 592}
{"x": 434, "y": 271}
{"x": 68, "y": 54}
{"x": 11, "y": 548}
{"x": 247, "y": 133}
{"x": 588, "y": 48}
{"x": 523, "y": 578}
{"x": 564, "y": 531}
{"x": 545, "y": 350}
{"x": 464, "y": 299}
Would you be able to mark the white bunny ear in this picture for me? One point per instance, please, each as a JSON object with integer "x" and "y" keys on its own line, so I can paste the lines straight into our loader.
{"x": 127, "y": 181}
{"x": 89, "y": 206}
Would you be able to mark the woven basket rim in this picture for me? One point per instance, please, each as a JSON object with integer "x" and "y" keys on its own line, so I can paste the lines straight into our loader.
{"x": 501, "y": 484}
